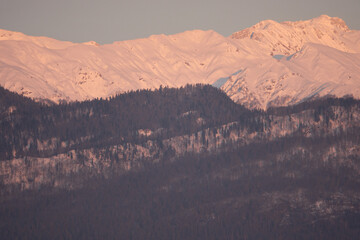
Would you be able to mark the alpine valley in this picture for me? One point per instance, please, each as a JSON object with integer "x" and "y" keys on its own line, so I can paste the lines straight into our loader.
{"x": 188, "y": 136}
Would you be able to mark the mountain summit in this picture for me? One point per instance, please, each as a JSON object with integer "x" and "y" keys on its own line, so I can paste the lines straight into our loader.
{"x": 268, "y": 64}
{"x": 289, "y": 37}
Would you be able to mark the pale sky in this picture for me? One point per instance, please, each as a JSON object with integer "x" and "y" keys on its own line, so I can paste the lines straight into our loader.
{"x": 106, "y": 21}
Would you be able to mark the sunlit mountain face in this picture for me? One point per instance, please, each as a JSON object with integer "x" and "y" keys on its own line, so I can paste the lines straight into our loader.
{"x": 268, "y": 64}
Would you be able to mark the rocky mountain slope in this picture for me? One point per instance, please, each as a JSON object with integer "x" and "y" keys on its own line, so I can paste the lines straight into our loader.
{"x": 269, "y": 64}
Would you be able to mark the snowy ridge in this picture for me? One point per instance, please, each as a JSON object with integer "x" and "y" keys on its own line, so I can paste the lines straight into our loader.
{"x": 289, "y": 37}
{"x": 267, "y": 64}
{"x": 316, "y": 70}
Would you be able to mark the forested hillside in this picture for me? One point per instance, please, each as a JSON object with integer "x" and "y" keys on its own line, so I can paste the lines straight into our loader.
{"x": 35, "y": 129}
{"x": 182, "y": 163}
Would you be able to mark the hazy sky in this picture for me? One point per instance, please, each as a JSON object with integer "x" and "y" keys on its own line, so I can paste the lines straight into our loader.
{"x": 106, "y": 21}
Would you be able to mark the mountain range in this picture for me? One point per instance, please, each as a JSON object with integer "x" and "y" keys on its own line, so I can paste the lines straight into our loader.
{"x": 160, "y": 149}
{"x": 268, "y": 64}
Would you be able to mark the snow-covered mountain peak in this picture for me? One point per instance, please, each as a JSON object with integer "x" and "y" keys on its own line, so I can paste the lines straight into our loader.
{"x": 9, "y": 35}
{"x": 45, "y": 42}
{"x": 265, "y": 24}
{"x": 267, "y": 64}
{"x": 289, "y": 37}
{"x": 91, "y": 43}
{"x": 331, "y": 22}
{"x": 196, "y": 34}
{"x": 196, "y": 37}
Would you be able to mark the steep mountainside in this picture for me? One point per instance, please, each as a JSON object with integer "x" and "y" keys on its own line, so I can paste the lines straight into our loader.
{"x": 265, "y": 65}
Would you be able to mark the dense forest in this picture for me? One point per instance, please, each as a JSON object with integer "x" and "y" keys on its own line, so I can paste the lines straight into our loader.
{"x": 279, "y": 183}
{"x": 30, "y": 128}
{"x": 168, "y": 111}
{"x": 244, "y": 193}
